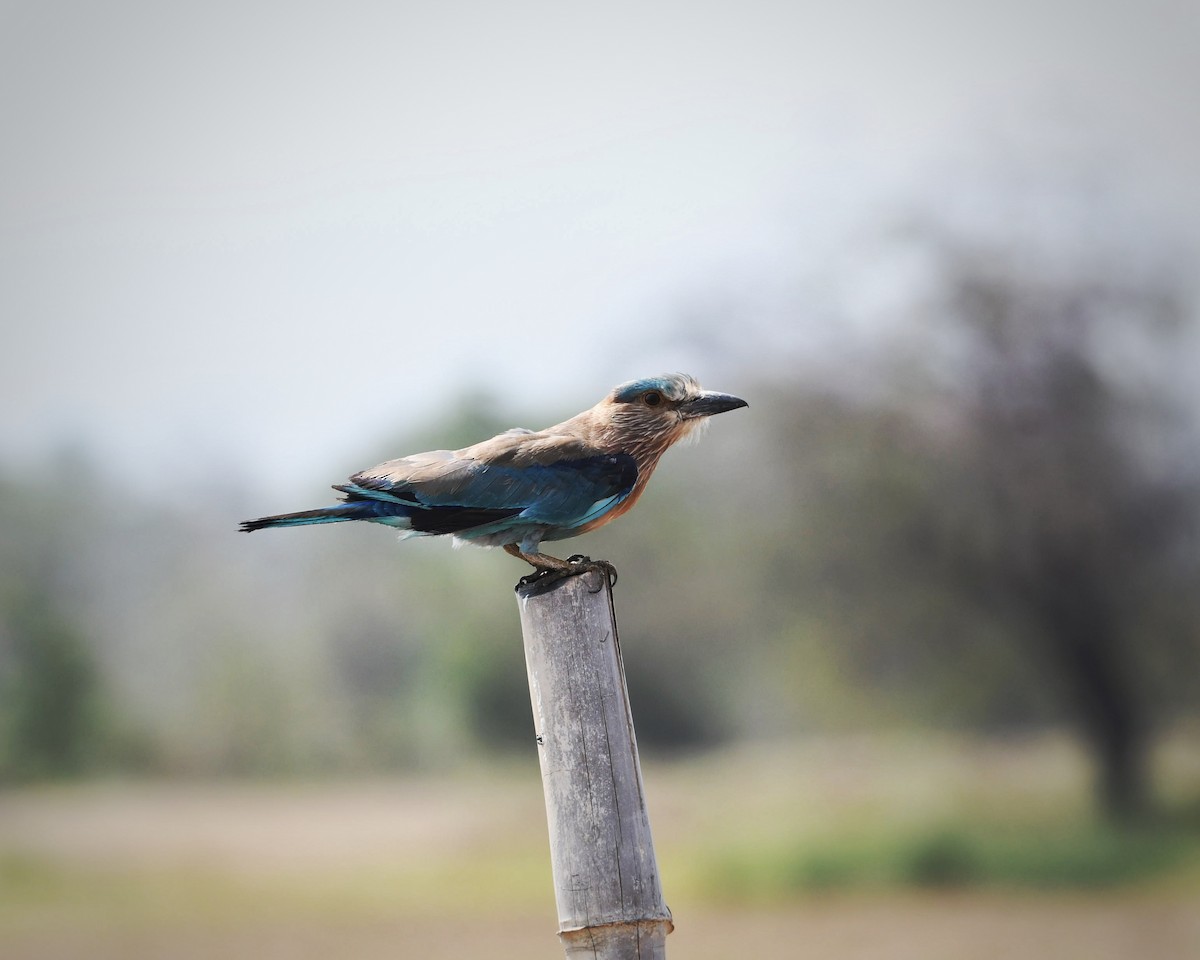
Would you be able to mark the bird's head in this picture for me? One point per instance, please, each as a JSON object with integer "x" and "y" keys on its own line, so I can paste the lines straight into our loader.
{"x": 656, "y": 412}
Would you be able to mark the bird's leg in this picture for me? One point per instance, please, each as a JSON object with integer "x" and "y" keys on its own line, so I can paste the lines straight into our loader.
{"x": 550, "y": 569}
{"x": 542, "y": 561}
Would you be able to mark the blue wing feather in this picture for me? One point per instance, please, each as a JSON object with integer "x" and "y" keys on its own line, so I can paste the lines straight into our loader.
{"x": 470, "y": 493}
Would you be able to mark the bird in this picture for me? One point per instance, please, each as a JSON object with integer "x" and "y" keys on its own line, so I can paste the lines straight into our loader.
{"x": 523, "y": 487}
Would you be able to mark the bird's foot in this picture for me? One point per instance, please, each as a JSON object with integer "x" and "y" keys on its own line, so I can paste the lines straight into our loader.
{"x": 545, "y": 577}
{"x": 601, "y": 566}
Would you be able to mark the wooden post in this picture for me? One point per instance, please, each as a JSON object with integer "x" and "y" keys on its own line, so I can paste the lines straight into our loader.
{"x": 606, "y": 884}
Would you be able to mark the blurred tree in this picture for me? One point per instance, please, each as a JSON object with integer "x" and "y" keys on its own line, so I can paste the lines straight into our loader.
{"x": 1059, "y": 505}
{"x": 990, "y": 518}
{"x": 50, "y": 693}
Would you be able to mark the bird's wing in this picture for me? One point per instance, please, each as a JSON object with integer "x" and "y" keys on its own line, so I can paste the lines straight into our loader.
{"x": 531, "y": 477}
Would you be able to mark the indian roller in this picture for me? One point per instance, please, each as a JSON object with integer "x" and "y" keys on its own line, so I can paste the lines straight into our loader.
{"x": 523, "y": 487}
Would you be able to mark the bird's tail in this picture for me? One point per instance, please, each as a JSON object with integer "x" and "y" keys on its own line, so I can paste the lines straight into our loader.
{"x": 335, "y": 514}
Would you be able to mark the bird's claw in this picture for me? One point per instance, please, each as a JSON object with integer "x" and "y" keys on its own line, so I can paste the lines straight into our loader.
{"x": 601, "y": 566}
{"x": 548, "y": 576}
{"x": 538, "y": 576}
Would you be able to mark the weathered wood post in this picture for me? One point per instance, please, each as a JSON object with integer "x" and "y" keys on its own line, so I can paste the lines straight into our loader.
{"x": 606, "y": 884}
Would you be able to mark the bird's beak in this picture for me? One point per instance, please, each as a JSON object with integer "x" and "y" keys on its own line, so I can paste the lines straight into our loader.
{"x": 710, "y": 403}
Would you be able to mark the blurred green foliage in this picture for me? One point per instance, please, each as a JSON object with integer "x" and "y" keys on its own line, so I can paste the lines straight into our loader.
{"x": 49, "y": 688}
{"x": 1086, "y": 857}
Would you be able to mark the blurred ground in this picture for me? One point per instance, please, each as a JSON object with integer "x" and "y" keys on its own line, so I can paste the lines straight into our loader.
{"x": 457, "y": 866}
{"x": 927, "y": 927}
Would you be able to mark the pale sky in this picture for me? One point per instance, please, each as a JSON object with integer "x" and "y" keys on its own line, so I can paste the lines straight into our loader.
{"x": 256, "y": 236}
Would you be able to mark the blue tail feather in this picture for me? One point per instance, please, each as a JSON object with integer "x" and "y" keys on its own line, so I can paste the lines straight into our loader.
{"x": 389, "y": 513}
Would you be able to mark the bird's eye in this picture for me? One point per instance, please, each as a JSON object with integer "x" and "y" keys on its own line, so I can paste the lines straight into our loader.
{"x": 652, "y": 398}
